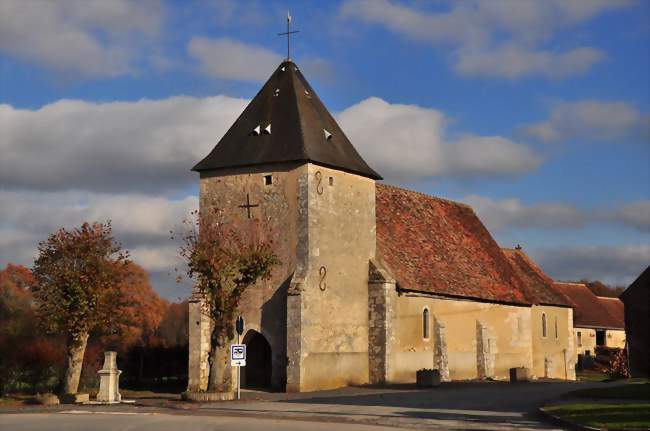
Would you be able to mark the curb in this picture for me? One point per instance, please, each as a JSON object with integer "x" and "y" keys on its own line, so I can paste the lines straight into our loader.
{"x": 563, "y": 422}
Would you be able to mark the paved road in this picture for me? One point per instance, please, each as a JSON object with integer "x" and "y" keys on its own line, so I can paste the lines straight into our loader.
{"x": 163, "y": 422}
{"x": 496, "y": 406}
{"x": 453, "y": 406}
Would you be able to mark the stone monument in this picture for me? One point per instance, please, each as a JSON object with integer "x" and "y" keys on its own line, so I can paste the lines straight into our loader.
{"x": 109, "y": 383}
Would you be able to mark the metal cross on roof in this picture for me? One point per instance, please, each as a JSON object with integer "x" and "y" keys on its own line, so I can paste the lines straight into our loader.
{"x": 248, "y": 205}
{"x": 288, "y": 33}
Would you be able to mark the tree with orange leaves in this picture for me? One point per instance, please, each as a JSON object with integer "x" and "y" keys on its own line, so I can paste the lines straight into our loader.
{"x": 223, "y": 262}
{"x": 77, "y": 278}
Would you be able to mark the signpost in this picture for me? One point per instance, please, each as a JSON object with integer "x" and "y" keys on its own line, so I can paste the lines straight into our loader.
{"x": 238, "y": 353}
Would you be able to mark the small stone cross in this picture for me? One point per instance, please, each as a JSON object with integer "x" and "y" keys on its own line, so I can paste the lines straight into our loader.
{"x": 248, "y": 205}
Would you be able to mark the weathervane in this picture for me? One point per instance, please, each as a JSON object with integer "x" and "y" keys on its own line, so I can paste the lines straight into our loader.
{"x": 288, "y": 33}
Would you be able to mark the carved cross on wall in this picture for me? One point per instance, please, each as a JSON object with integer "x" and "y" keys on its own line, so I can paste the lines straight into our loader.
{"x": 248, "y": 205}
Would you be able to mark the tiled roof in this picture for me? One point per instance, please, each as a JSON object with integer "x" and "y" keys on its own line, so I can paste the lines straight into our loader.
{"x": 538, "y": 287}
{"x": 588, "y": 310}
{"x": 437, "y": 246}
{"x": 286, "y": 122}
{"x": 615, "y": 308}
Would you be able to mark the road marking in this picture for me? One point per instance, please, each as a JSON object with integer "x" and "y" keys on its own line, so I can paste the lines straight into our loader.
{"x": 86, "y": 412}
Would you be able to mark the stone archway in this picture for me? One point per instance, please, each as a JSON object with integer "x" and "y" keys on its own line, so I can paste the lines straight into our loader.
{"x": 258, "y": 369}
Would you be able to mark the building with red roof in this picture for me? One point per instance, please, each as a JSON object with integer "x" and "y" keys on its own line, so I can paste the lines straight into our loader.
{"x": 375, "y": 281}
{"x": 597, "y": 320}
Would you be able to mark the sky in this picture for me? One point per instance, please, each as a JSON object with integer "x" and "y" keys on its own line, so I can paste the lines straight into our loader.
{"x": 536, "y": 113}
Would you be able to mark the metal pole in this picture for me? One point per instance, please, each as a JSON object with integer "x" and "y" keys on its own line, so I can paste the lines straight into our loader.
{"x": 238, "y": 373}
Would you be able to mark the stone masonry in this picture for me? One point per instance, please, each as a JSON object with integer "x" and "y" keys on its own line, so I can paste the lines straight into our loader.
{"x": 381, "y": 298}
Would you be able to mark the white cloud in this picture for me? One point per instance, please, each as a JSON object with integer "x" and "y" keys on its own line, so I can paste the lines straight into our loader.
{"x": 496, "y": 38}
{"x": 410, "y": 141}
{"x": 507, "y": 213}
{"x": 230, "y": 59}
{"x": 590, "y": 119}
{"x": 636, "y": 214}
{"x": 86, "y": 38}
{"x": 616, "y": 265}
{"x": 145, "y": 145}
{"x": 141, "y": 222}
{"x": 511, "y": 61}
{"x": 499, "y": 215}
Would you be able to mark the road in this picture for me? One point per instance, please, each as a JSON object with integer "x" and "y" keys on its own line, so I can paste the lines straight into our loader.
{"x": 115, "y": 421}
{"x": 455, "y": 406}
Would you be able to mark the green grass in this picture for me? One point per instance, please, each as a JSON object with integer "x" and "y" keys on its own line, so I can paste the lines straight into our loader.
{"x": 633, "y": 391}
{"x": 602, "y": 415}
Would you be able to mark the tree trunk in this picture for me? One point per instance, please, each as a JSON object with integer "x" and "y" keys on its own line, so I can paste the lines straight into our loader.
{"x": 141, "y": 365}
{"x": 74, "y": 363}
{"x": 220, "y": 379}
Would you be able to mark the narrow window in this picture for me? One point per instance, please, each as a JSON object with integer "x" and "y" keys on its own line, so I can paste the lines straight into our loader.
{"x": 579, "y": 339}
{"x": 268, "y": 180}
{"x": 331, "y": 181}
{"x": 544, "y": 325}
{"x": 556, "y": 334}
{"x": 425, "y": 323}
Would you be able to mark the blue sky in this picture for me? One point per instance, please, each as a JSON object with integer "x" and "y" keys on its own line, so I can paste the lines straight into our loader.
{"x": 536, "y": 113}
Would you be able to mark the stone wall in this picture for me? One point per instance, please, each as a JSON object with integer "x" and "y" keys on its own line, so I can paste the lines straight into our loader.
{"x": 554, "y": 355}
{"x": 334, "y": 297}
{"x": 199, "y": 346}
{"x": 615, "y": 338}
{"x": 263, "y": 306}
{"x": 506, "y": 338}
{"x": 381, "y": 305}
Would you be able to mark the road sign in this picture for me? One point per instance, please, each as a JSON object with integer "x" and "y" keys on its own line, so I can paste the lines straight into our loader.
{"x": 239, "y": 326}
{"x": 238, "y": 355}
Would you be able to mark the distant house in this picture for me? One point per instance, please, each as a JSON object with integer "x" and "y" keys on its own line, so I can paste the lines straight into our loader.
{"x": 636, "y": 300}
{"x": 597, "y": 321}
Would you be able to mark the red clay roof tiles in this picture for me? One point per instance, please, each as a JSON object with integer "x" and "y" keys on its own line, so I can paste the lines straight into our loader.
{"x": 437, "y": 246}
{"x": 588, "y": 309}
{"x": 537, "y": 285}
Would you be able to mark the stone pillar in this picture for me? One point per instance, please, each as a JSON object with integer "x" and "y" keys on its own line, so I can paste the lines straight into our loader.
{"x": 109, "y": 380}
{"x": 484, "y": 352}
{"x": 199, "y": 345}
{"x": 381, "y": 309}
{"x": 440, "y": 358}
{"x": 294, "y": 335}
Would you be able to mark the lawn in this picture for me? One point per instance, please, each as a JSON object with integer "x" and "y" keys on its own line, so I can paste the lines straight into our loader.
{"x": 605, "y": 415}
{"x": 633, "y": 391}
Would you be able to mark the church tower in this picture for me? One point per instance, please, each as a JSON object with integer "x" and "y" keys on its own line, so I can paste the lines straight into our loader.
{"x": 286, "y": 164}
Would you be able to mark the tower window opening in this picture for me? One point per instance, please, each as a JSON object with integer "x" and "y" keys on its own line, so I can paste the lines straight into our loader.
{"x": 425, "y": 323}
{"x": 268, "y": 180}
{"x": 331, "y": 181}
{"x": 556, "y": 334}
{"x": 579, "y": 339}
{"x": 544, "y": 325}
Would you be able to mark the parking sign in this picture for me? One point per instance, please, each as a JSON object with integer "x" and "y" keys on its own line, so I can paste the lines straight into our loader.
{"x": 238, "y": 355}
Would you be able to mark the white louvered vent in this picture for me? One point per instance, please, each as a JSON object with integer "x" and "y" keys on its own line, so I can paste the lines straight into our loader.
{"x": 256, "y": 131}
{"x": 328, "y": 135}
{"x": 267, "y": 129}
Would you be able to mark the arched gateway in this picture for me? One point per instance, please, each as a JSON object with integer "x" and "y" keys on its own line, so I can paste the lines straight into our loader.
{"x": 257, "y": 372}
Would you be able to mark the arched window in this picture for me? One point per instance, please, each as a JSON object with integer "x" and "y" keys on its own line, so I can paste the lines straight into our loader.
{"x": 556, "y": 334}
{"x": 544, "y": 325}
{"x": 425, "y": 323}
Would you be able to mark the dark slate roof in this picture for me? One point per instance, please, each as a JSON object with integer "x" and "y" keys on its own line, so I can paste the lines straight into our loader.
{"x": 634, "y": 291}
{"x": 437, "y": 246}
{"x": 298, "y": 122}
{"x": 588, "y": 309}
{"x": 537, "y": 285}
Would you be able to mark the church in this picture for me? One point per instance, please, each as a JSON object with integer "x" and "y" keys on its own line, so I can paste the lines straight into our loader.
{"x": 375, "y": 281}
